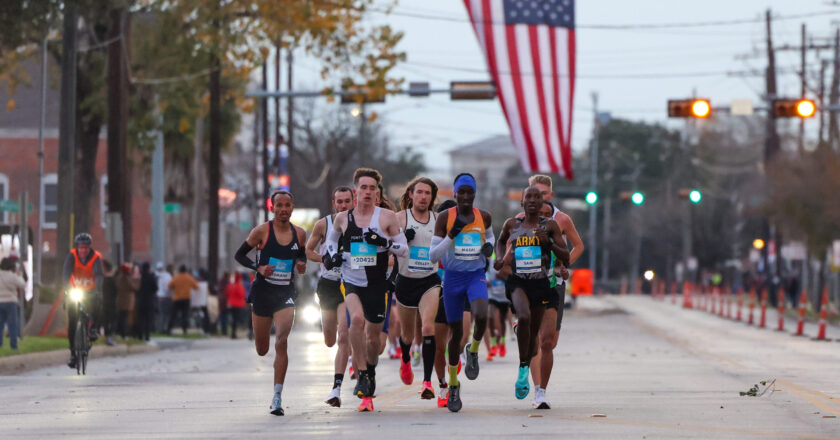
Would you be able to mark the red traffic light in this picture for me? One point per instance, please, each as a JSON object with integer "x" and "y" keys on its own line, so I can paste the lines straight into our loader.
{"x": 699, "y": 108}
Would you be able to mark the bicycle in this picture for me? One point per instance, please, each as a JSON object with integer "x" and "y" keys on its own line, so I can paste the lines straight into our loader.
{"x": 81, "y": 339}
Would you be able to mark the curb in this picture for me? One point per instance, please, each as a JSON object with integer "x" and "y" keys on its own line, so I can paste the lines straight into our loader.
{"x": 21, "y": 363}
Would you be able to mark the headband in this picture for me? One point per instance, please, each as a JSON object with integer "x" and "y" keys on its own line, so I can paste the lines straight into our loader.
{"x": 465, "y": 180}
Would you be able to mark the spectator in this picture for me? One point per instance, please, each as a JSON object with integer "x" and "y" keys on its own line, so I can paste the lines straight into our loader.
{"x": 198, "y": 300}
{"x": 164, "y": 297}
{"x": 181, "y": 286}
{"x": 10, "y": 282}
{"x": 146, "y": 298}
{"x": 127, "y": 286}
{"x": 235, "y": 293}
{"x": 109, "y": 302}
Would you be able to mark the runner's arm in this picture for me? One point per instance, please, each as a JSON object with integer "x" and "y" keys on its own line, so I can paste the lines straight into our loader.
{"x": 558, "y": 245}
{"x": 250, "y": 243}
{"x": 314, "y": 240}
{"x": 398, "y": 245}
{"x": 568, "y": 227}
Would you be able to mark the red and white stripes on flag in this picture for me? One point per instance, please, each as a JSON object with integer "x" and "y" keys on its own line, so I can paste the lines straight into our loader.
{"x": 530, "y": 50}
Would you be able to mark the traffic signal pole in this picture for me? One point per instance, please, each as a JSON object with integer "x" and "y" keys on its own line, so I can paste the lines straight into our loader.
{"x": 593, "y": 208}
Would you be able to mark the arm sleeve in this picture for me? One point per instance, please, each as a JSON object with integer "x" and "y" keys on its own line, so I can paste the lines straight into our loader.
{"x": 241, "y": 256}
{"x": 399, "y": 245}
{"x": 489, "y": 237}
{"x": 439, "y": 247}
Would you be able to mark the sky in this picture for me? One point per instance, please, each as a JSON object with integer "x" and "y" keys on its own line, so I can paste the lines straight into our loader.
{"x": 634, "y": 71}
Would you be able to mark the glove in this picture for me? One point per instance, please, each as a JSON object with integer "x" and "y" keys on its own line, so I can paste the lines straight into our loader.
{"x": 376, "y": 239}
{"x": 459, "y": 224}
{"x": 409, "y": 234}
{"x": 332, "y": 261}
{"x": 487, "y": 250}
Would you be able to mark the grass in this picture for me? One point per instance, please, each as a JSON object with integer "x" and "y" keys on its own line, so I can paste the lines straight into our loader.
{"x": 34, "y": 344}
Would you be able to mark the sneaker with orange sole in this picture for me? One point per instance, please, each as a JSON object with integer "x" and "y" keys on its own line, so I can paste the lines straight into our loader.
{"x": 406, "y": 374}
{"x": 502, "y": 350}
{"x": 494, "y": 350}
{"x": 366, "y": 405}
{"x": 443, "y": 397}
{"x": 428, "y": 393}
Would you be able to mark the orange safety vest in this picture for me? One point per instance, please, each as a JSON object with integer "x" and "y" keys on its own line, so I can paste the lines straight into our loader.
{"x": 82, "y": 276}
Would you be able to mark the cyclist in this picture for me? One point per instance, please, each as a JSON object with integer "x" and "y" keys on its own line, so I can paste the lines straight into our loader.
{"x": 83, "y": 270}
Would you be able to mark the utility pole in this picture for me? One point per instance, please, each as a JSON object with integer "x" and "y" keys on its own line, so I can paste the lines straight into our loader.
{"x": 158, "y": 223}
{"x": 278, "y": 136}
{"x": 264, "y": 122}
{"x": 290, "y": 123}
{"x": 834, "y": 95}
{"x": 593, "y": 182}
{"x": 771, "y": 142}
{"x": 67, "y": 134}
{"x": 117, "y": 124}
{"x": 605, "y": 239}
{"x": 804, "y": 84}
{"x": 214, "y": 166}
{"x": 39, "y": 235}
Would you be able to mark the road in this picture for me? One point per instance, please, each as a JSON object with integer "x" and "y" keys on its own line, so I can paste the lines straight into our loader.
{"x": 653, "y": 369}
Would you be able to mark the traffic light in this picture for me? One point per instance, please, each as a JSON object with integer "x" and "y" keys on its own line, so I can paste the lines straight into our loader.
{"x": 637, "y": 198}
{"x": 699, "y": 108}
{"x": 692, "y": 195}
{"x": 591, "y": 197}
{"x": 695, "y": 196}
{"x": 794, "y": 108}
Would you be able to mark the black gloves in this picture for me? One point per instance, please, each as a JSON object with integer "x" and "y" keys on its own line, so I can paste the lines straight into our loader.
{"x": 332, "y": 261}
{"x": 376, "y": 239}
{"x": 487, "y": 250}
{"x": 409, "y": 234}
{"x": 459, "y": 224}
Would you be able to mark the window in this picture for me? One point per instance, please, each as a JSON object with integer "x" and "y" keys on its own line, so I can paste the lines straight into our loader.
{"x": 103, "y": 198}
{"x": 49, "y": 204}
{"x": 4, "y": 195}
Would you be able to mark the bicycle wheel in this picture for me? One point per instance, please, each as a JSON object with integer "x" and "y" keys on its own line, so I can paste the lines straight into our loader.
{"x": 79, "y": 346}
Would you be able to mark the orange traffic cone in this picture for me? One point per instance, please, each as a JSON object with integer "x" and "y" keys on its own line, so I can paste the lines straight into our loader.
{"x": 823, "y": 316}
{"x": 751, "y": 305}
{"x": 762, "y": 322}
{"x": 800, "y": 325}
{"x": 781, "y": 309}
{"x": 739, "y": 303}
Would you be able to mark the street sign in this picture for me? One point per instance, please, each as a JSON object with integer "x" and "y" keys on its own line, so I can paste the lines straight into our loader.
{"x": 741, "y": 107}
{"x": 172, "y": 208}
{"x": 9, "y": 205}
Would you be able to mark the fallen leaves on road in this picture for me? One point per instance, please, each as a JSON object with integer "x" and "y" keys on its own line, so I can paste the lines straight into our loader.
{"x": 599, "y": 415}
{"x": 757, "y": 391}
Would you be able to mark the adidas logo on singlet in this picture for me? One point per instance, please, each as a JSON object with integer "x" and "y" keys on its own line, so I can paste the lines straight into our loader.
{"x": 290, "y": 301}
{"x": 295, "y": 247}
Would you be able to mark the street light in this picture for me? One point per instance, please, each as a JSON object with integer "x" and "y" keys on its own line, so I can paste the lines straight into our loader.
{"x": 591, "y": 197}
{"x": 637, "y": 198}
{"x": 649, "y": 275}
{"x": 794, "y": 108}
{"x": 355, "y": 112}
{"x": 758, "y": 244}
{"x": 689, "y": 108}
{"x": 695, "y": 196}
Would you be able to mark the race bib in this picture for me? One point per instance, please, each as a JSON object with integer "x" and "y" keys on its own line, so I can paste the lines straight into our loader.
{"x": 528, "y": 259}
{"x": 467, "y": 245}
{"x": 282, "y": 271}
{"x": 418, "y": 259}
{"x": 362, "y": 255}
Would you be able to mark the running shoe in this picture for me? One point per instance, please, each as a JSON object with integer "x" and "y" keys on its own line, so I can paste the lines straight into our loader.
{"x": 406, "y": 374}
{"x": 502, "y": 350}
{"x": 454, "y": 401}
{"x": 334, "y": 398}
{"x": 522, "y": 385}
{"x": 353, "y": 375}
{"x": 366, "y": 405}
{"x": 489, "y": 356}
{"x": 515, "y": 326}
{"x": 494, "y": 350}
{"x": 539, "y": 399}
{"x": 275, "y": 407}
{"x": 362, "y": 389}
{"x": 428, "y": 392}
{"x": 72, "y": 362}
{"x": 443, "y": 397}
{"x": 392, "y": 353}
{"x": 472, "y": 364}
{"x": 371, "y": 386}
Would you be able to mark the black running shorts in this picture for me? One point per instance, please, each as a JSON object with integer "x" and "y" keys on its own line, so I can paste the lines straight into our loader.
{"x": 538, "y": 291}
{"x": 374, "y": 300}
{"x": 329, "y": 294}
{"x": 411, "y": 290}
{"x": 267, "y": 298}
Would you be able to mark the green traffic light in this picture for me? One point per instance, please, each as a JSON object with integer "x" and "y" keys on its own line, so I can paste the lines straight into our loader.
{"x": 591, "y": 197}
{"x": 695, "y": 196}
{"x": 637, "y": 198}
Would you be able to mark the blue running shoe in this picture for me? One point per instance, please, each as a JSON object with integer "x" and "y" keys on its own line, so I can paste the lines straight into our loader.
{"x": 522, "y": 385}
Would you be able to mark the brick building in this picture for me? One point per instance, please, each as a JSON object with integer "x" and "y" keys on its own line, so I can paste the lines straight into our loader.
{"x": 19, "y": 172}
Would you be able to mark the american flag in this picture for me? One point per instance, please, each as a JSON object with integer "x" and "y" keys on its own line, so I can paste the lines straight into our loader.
{"x": 530, "y": 50}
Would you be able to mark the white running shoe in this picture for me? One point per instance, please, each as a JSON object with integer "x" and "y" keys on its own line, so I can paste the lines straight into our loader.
{"x": 334, "y": 398}
{"x": 539, "y": 399}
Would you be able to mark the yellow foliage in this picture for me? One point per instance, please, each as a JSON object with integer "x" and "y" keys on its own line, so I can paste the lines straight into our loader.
{"x": 184, "y": 125}
{"x": 11, "y": 104}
